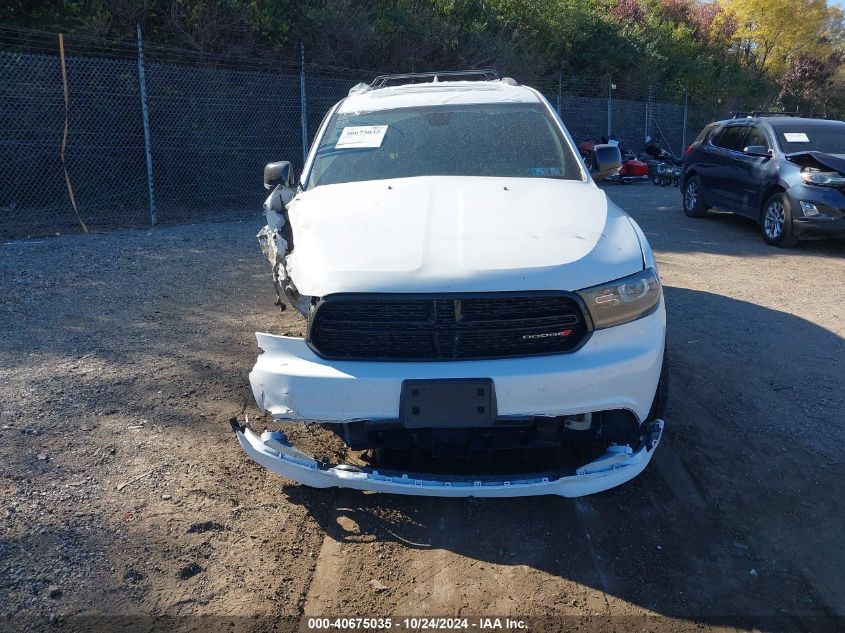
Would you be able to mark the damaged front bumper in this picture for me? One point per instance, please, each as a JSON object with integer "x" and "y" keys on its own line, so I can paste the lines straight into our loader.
{"x": 826, "y": 226}
{"x": 616, "y": 466}
{"x": 828, "y": 204}
{"x": 618, "y": 368}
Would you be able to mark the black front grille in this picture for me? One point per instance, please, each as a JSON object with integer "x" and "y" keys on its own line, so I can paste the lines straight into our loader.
{"x": 423, "y": 327}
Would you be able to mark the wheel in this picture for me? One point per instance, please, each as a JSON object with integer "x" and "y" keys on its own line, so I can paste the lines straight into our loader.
{"x": 776, "y": 224}
{"x": 656, "y": 180}
{"x": 694, "y": 207}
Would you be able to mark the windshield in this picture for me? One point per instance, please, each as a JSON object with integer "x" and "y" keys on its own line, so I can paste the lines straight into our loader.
{"x": 510, "y": 139}
{"x": 829, "y": 139}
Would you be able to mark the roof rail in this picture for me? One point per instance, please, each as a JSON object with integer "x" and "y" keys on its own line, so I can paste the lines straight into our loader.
{"x": 772, "y": 113}
{"x": 758, "y": 113}
{"x": 479, "y": 75}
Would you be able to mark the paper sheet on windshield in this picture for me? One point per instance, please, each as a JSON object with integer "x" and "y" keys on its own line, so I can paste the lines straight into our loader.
{"x": 796, "y": 137}
{"x": 361, "y": 136}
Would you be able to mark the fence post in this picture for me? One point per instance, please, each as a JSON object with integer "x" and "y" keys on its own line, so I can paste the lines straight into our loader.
{"x": 146, "y": 117}
{"x": 559, "y": 94}
{"x": 684, "y": 129}
{"x": 609, "y": 106}
{"x": 303, "y": 112}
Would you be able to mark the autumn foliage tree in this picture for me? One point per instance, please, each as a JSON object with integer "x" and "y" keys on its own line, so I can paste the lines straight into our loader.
{"x": 771, "y": 34}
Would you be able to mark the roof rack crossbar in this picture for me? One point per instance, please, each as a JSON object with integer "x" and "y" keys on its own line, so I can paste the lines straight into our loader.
{"x": 481, "y": 75}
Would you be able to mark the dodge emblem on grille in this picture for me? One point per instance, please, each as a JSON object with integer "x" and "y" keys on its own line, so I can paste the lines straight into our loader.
{"x": 527, "y": 337}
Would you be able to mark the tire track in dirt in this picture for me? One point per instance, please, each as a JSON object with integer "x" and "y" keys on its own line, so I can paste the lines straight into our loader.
{"x": 453, "y": 557}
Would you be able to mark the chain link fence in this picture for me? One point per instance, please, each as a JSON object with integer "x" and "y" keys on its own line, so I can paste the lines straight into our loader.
{"x": 596, "y": 107}
{"x": 212, "y": 124}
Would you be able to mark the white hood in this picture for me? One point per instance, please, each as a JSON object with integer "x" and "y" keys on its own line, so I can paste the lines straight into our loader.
{"x": 458, "y": 234}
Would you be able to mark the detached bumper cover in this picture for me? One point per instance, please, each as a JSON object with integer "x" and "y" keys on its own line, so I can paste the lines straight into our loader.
{"x": 618, "y": 465}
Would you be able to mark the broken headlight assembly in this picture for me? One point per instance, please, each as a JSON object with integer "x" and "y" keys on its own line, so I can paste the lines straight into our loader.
{"x": 823, "y": 178}
{"x": 623, "y": 300}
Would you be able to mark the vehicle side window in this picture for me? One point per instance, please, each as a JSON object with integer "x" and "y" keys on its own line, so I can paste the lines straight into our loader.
{"x": 731, "y": 138}
{"x": 755, "y": 136}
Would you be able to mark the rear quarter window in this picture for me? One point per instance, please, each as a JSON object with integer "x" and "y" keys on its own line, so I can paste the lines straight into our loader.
{"x": 706, "y": 132}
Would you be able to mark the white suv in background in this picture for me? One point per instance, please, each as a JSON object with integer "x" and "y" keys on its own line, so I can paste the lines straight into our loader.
{"x": 468, "y": 291}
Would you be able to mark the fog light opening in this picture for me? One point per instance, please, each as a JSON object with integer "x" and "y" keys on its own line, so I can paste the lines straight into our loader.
{"x": 809, "y": 209}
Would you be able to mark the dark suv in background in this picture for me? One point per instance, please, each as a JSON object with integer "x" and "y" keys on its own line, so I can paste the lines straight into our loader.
{"x": 786, "y": 173}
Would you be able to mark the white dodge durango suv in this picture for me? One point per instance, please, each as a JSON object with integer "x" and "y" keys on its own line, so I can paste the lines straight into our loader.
{"x": 468, "y": 290}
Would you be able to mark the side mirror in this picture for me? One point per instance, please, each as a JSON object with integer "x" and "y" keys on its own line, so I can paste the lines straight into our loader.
{"x": 606, "y": 160}
{"x": 757, "y": 150}
{"x": 277, "y": 174}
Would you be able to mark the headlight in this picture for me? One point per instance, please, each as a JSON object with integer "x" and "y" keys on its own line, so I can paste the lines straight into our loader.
{"x": 623, "y": 300}
{"x": 823, "y": 178}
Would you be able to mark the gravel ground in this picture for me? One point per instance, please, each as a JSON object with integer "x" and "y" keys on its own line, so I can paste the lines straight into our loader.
{"x": 124, "y": 493}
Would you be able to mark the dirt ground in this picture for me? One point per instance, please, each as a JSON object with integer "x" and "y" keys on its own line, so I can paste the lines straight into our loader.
{"x": 125, "y": 495}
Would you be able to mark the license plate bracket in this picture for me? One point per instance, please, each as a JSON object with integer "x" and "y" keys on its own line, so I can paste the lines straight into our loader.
{"x": 447, "y": 403}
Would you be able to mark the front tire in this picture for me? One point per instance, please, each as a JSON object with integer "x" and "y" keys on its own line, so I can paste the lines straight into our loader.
{"x": 776, "y": 222}
{"x": 694, "y": 206}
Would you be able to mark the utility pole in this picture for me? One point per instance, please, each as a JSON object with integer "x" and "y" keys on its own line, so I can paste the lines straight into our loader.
{"x": 146, "y": 118}
{"x": 609, "y": 106}
{"x": 559, "y": 93}
{"x": 303, "y": 111}
{"x": 684, "y": 131}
